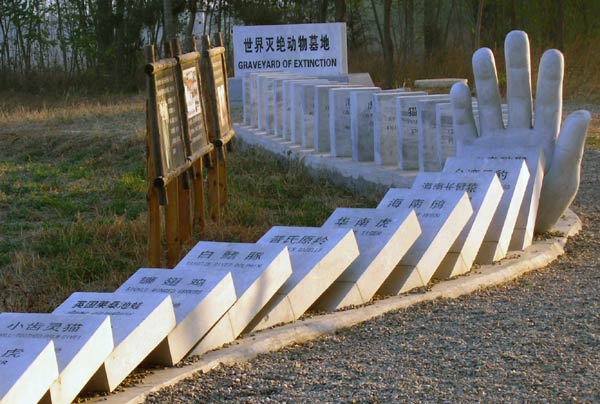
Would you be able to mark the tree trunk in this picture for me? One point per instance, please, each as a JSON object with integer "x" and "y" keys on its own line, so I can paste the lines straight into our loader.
{"x": 323, "y": 10}
{"x": 340, "y": 10}
{"x": 388, "y": 45}
{"x": 189, "y": 26}
{"x": 478, "y": 25}
{"x": 170, "y": 27}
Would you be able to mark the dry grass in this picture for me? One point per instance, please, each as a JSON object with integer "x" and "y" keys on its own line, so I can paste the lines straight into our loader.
{"x": 72, "y": 198}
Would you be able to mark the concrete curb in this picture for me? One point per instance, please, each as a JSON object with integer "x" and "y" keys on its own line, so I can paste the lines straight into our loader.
{"x": 537, "y": 256}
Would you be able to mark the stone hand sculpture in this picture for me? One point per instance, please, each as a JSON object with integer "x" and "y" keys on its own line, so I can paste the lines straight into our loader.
{"x": 563, "y": 150}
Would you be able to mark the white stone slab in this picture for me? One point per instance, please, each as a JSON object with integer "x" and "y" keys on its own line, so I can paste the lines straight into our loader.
{"x": 340, "y": 136}
{"x": 318, "y": 256}
{"x": 27, "y": 369}
{"x": 383, "y": 236}
{"x": 444, "y": 132}
{"x": 277, "y": 95}
{"x": 513, "y": 176}
{"x": 361, "y": 123}
{"x": 429, "y": 156}
{"x": 408, "y": 130}
{"x": 485, "y": 192}
{"x": 258, "y": 271}
{"x": 287, "y": 102}
{"x": 307, "y": 123}
{"x": 297, "y": 111}
{"x": 81, "y": 343}
{"x": 200, "y": 299}
{"x": 385, "y": 139}
{"x": 442, "y": 217}
{"x": 265, "y": 99}
{"x": 321, "y": 108}
{"x": 523, "y": 234}
{"x": 139, "y": 323}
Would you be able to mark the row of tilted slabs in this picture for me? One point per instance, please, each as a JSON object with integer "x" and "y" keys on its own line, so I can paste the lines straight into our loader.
{"x": 472, "y": 212}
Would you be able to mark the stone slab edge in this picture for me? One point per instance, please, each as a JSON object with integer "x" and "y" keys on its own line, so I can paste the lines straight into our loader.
{"x": 359, "y": 177}
{"x": 537, "y": 256}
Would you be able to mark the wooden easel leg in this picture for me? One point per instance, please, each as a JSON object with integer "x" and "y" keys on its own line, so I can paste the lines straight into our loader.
{"x": 154, "y": 230}
{"x": 199, "y": 202}
{"x": 222, "y": 176}
{"x": 185, "y": 224}
{"x": 172, "y": 225}
{"x": 213, "y": 187}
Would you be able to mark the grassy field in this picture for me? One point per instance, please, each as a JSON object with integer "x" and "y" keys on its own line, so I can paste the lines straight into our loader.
{"x": 72, "y": 197}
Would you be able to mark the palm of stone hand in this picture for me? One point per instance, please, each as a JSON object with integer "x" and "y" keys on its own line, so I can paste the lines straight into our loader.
{"x": 562, "y": 150}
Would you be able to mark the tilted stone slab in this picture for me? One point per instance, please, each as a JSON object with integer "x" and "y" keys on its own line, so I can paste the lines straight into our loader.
{"x": 82, "y": 343}
{"x": 442, "y": 217}
{"x": 27, "y": 369}
{"x": 318, "y": 256}
{"x": 523, "y": 234}
{"x": 485, "y": 192}
{"x": 383, "y": 236}
{"x": 407, "y": 119}
{"x": 200, "y": 299}
{"x": 140, "y": 321}
{"x": 258, "y": 272}
{"x": 514, "y": 176}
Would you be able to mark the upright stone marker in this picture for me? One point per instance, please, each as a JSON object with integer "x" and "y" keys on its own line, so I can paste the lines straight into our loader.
{"x": 139, "y": 323}
{"x": 513, "y": 175}
{"x": 485, "y": 192}
{"x": 200, "y": 299}
{"x": 340, "y": 136}
{"x": 524, "y": 228}
{"x": 318, "y": 256}
{"x": 322, "y": 110}
{"x": 385, "y": 142}
{"x": 258, "y": 272}
{"x": 82, "y": 343}
{"x": 362, "y": 122}
{"x": 408, "y": 129}
{"x": 429, "y": 155}
{"x": 384, "y": 236}
{"x": 442, "y": 217}
{"x": 286, "y": 116}
{"x": 444, "y": 132}
{"x": 297, "y": 112}
{"x": 27, "y": 369}
{"x": 318, "y": 49}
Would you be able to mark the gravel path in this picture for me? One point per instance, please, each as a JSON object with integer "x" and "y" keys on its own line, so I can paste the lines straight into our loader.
{"x": 536, "y": 339}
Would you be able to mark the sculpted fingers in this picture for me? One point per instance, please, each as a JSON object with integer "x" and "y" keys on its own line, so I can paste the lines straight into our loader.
{"x": 548, "y": 98}
{"x": 518, "y": 77}
{"x": 488, "y": 96}
{"x": 562, "y": 180}
{"x": 462, "y": 113}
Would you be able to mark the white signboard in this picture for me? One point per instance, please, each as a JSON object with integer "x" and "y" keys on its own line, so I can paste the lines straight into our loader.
{"x": 301, "y": 48}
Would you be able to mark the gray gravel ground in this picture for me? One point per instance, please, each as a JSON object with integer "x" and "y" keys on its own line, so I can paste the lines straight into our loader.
{"x": 536, "y": 339}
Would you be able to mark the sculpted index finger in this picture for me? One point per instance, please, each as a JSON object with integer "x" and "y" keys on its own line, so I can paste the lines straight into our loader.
{"x": 462, "y": 113}
{"x": 488, "y": 95}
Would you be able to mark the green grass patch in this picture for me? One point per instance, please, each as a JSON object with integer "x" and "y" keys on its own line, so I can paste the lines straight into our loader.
{"x": 73, "y": 204}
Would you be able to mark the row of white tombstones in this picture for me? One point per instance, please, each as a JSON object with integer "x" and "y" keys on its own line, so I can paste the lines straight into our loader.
{"x": 474, "y": 211}
{"x": 407, "y": 129}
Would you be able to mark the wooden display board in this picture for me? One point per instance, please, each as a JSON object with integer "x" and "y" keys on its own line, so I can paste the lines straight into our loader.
{"x": 214, "y": 73}
{"x": 178, "y": 145}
